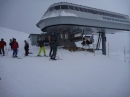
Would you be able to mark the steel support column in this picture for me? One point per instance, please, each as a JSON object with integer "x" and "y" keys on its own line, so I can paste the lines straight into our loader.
{"x": 103, "y": 43}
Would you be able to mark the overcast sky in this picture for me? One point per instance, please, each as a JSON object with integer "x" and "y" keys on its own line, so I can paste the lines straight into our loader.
{"x": 22, "y": 15}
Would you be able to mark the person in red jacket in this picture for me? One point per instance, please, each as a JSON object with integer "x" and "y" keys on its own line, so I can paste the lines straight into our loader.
{"x": 2, "y": 44}
{"x": 15, "y": 47}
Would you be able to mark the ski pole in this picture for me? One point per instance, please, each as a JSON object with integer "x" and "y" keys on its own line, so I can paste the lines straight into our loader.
{"x": 85, "y": 47}
{"x": 60, "y": 52}
{"x": 7, "y": 51}
{"x": 57, "y": 55}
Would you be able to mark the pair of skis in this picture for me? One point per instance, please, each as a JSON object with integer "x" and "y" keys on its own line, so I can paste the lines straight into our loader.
{"x": 17, "y": 57}
{"x": 48, "y": 56}
{"x": 40, "y": 56}
{"x": 55, "y": 59}
{"x": 29, "y": 56}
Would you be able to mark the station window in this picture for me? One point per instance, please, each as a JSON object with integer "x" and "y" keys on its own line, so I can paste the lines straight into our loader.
{"x": 107, "y": 14}
{"x": 115, "y": 16}
{"x": 57, "y": 7}
{"x": 123, "y": 17}
{"x": 76, "y": 8}
{"x": 111, "y": 15}
{"x": 89, "y": 10}
{"x": 104, "y": 13}
{"x": 94, "y": 12}
{"x": 81, "y": 9}
{"x": 71, "y": 7}
{"x": 51, "y": 8}
{"x": 85, "y": 9}
{"x": 120, "y": 16}
{"x": 99, "y": 12}
{"x": 64, "y": 6}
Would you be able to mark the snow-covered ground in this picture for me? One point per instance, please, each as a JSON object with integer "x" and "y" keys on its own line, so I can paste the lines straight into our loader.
{"x": 79, "y": 74}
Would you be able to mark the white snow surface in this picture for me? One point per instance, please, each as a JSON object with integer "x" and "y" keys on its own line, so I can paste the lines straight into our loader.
{"x": 79, "y": 74}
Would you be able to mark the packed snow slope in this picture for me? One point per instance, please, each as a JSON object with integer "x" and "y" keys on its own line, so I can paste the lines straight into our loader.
{"x": 79, "y": 74}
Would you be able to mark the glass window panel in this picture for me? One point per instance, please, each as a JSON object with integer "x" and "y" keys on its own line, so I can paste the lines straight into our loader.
{"x": 71, "y": 7}
{"x": 76, "y": 8}
{"x": 110, "y": 15}
{"x": 57, "y": 7}
{"x": 94, "y": 12}
{"x": 106, "y": 14}
{"x": 51, "y": 8}
{"x": 85, "y": 9}
{"x": 89, "y": 10}
{"x": 81, "y": 9}
{"x": 99, "y": 12}
{"x": 114, "y": 15}
{"x": 64, "y": 7}
{"x": 123, "y": 17}
{"x": 120, "y": 16}
{"x": 103, "y": 13}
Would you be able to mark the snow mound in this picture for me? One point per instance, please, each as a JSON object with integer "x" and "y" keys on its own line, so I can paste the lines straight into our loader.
{"x": 8, "y": 34}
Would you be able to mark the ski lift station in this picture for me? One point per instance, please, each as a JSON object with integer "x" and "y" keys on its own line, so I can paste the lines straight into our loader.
{"x": 72, "y": 21}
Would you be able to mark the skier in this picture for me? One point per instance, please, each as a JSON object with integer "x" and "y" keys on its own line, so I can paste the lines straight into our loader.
{"x": 26, "y": 48}
{"x": 54, "y": 46}
{"x": 41, "y": 44}
{"x": 84, "y": 42}
{"x": 15, "y": 47}
{"x": 88, "y": 42}
{"x": 2, "y": 44}
{"x": 91, "y": 39}
{"x": 50, "y": 39}
{"x": 10, "y": 43}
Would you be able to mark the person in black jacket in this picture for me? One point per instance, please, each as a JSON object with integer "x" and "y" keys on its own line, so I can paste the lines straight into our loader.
{"x": 53, "y": 44}
{"x": 10, "y": 43}
{"x": 41, "y": 45}
{"x": 84, "y": 41}
{"x": 50, "y": 39}
{"x": 26, "y": 48}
